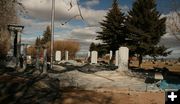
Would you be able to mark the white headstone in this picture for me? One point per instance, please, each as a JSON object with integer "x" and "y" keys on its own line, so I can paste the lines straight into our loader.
{"x": 110, "y": 55}
{"x": 58, "y": 56}
{"x": 66, "y": 55}
{"x": 28, "y": 57}
{"x": 123, "y": 59}
{"x": 89, "y": 54}
{"x": 94, "y": 56}
{"x": 116, "y": 58}
{"x": 22, "y": 49}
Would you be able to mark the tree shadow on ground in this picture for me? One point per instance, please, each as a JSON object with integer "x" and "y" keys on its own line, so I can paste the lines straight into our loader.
{"x": 19, "y": 88}
{"x": 87, "y": 68}
{"x": 149, "y": 74}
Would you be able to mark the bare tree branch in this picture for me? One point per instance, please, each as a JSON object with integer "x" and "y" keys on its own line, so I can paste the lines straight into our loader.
{"x": 175, "y": 25}
{"x": 79, "y": 14}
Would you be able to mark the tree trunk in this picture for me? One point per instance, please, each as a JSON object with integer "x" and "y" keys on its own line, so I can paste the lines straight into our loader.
{"x": 140, "y": 60}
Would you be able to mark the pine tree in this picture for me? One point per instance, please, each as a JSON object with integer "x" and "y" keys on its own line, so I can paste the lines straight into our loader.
{"x": 145, "y": 27}
{"x": 102, "y": 49}
{"x": 38, "y": 41}
{"x": 113, "y": 34}
{"x": 46, "y": 35}
{"x": 92, "y": 47}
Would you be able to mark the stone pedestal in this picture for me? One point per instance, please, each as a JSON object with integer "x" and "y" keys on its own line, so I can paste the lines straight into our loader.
{"x": 123, "y": 59}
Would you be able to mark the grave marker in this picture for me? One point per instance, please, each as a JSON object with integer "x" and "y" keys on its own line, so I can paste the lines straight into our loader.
{"x": 116, "y": 58}
{"x": 123, "y": 59}
{"x": 94, "y": 56}
{"x": 66, "y": 55}
{"x": 58, "y": 56}
{"x": 110, "y": 55}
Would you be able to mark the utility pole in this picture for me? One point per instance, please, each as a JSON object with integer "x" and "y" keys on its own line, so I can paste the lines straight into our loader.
{"x": 52, "y": 31}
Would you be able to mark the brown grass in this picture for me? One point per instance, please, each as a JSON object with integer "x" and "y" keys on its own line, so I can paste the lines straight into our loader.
{"x": 172, "y": 66}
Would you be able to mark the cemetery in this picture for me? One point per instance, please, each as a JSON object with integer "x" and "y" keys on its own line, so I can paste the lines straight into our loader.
{"x": 90, "y": 75}
{"x": 91, "y": 55}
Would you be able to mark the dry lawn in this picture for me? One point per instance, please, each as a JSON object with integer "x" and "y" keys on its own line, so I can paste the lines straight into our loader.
{"x": 174, "y": 67}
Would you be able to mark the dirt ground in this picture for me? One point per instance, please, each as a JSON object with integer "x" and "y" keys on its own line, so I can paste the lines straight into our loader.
{"x": 106, "y": 87}
{"x": 92, "y": 97}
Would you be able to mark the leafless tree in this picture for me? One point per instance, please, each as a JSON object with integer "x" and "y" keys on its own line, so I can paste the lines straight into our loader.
{"x": 9, "y": 11}
{"x": 174, "y": 19}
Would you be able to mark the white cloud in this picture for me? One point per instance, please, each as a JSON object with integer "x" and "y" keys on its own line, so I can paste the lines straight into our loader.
{"x": 173, "y": 22}
{"x": 90, "y": 3}
{"x": 41, "y": 10}
{"x": 124, "y": 9}
{"x": 86, "y": 31}
{"x": 38, "y": 18}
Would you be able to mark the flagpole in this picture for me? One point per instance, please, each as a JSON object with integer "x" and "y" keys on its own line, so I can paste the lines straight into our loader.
{"x": 52, "y": 31}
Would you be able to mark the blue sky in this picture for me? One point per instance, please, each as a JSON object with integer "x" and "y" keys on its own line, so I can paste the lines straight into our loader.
{"x": 93, "y": 11}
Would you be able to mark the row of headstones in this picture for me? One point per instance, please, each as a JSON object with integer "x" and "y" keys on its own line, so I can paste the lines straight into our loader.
{"x": 121, "y": 58}
{"x": 58, "y": 56}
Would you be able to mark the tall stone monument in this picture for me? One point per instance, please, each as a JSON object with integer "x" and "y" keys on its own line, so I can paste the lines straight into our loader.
{"x": 14, "y": 52}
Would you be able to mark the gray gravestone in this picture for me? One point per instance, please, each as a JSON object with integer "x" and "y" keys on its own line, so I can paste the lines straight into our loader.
{"x": 94, "y": 56}
{"x": 66, "y": 55}
{"x": 58, "y": 56}
{"x": 45, "y": 62}
{"x": 110, "y": 55}
{"x": 123, "y": 59}
{"x": 37, "y": 57}
{"x": 25, "y": 57}
{"x": 89, "y": 54}
{"x": 116, "y": 58}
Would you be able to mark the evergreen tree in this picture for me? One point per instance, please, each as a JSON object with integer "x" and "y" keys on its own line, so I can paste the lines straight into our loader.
{"x": 145, "y": 27}
{"x": 46, "y": 35}
{"x": 102, "y": 49}
{"x": 38, "y": 41}
{"x": 113, "y": 34}
{"x": 92, "y": 47}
